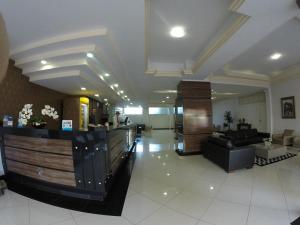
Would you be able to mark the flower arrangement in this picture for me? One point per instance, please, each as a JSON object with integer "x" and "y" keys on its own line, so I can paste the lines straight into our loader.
{"x": 25, "y": 114}
{"x": 50, "y": 112}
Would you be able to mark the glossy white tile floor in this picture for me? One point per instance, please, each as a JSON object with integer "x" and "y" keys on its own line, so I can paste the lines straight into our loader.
{"x": 166, "y": 189}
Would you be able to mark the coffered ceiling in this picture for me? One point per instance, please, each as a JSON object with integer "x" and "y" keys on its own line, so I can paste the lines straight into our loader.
{"x": 227, "y": 41}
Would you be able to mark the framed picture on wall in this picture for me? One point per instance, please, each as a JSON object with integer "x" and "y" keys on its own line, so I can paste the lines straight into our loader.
{"x": 288, "y": 108}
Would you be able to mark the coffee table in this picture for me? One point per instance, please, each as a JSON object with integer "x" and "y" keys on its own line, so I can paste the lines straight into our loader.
{"x": 269, "y": 152}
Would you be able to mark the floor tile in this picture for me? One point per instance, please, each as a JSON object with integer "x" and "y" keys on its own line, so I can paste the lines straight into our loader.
{"x": 235, "y": 194}
{"x": 93, "y": 219}
{"x": 14, "y": 216}
{"x": 138, "y": 207}
{"x": 192, "y": 204}
{"x": 264, "y": 216}
{"x": 165, "y": 216}
{"x": 44, "y": 214}
{"x": 225, "y": 213}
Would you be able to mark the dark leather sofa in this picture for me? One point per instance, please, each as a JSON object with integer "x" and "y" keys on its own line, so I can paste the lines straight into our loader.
{"x": 233, "y": 149}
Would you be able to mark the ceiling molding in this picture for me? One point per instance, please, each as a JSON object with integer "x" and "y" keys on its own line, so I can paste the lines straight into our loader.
{"x": 237, "y": 81}
{"x": 236, "y": 4}
{"x": 58, "y": 39}
{"x": 56, "y": 53}
{"x": 224, "y": 37}
{"x": 62, "y": 64}
{"x": 47, "y": 76}
{"x": 246, "y": 75}
{"x": 290, "y": 72}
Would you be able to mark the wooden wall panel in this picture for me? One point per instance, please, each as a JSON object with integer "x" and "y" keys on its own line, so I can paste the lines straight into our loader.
{"x": 195, "y": 98}
{"x": 57, "y": 146}
{"x": 53, "y": 161}
{"x": 48, "y": 175}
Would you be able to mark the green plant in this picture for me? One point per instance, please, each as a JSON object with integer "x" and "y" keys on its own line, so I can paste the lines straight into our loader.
{"x": 228, "y": 119}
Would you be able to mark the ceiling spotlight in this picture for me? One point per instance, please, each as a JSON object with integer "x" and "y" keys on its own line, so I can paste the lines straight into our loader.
{"x": 163, "y": 101}
{"x": 177, "y": 32}
{"x": 101, "y": 77}
{"x": 121, "y": 92}
{"x": 105, "y": 99}
{"x": 83, "y": 89}
{"x": 112, "y": 87}
{"x": 44, "y": 62}
{"x": 276, "y": 56}
{"x": 125, "y": 96}
{"x": 90, "y": 55}
{"x": 96, "y": 95}
{"x": 107, "y": 74}
{"x": 167, "y": 97}
{"x": 116, "y": 85}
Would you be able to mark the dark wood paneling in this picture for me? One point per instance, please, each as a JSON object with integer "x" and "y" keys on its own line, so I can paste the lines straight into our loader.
{"x": 53, "y": 161}
{"x": 196, "y": 121}
{"x": 48, "y": 175}
{"x": 192, "y": 89}
{"x": 192, "y": 143}
{"x": 57, "y": 146}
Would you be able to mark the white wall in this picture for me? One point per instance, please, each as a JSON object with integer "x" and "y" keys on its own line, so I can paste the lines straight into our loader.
{"x": 253, "y": 108}
{"x": 285, "y": 88}
{"x": 220, "y": 107}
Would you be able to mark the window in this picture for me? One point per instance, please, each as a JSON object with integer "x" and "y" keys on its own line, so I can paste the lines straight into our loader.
{"x": 133, "y": 111}
{"x": 161, "y": 111}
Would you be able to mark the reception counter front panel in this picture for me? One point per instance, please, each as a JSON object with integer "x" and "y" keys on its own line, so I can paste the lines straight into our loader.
{"x": 79, "y": 164}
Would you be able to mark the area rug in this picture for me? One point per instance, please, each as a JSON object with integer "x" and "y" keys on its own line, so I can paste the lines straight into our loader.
{"x": 264, "y": 162}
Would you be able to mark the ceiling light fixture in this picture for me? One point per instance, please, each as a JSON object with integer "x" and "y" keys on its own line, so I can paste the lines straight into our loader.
{"x": 167, "y": 97}
{"x": 83, "y": 89}
{"x": 125, "y": 96}
{"x": 163, "y": 101}
{"x": 44, "y": 62}
{"x": 128, "y": 99}
{"x": 177, "y": 32}
{"x": 96, "y": 95}
{"x": 107, "y": 74}
{"x": 116, "y": 85}
{"x": 131, "y": 103}
{"x": 122, "y": 92}
{"x": 105, "y": 99}
{"x": 276, "y": 56}
{"x": 101, "y": 77}
{"x": 90, "y": 55}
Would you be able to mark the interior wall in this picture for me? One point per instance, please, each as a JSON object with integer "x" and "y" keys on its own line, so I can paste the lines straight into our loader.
{"x": 16, "y": 91}
{"x": 285, "y": 88}
{"x": 220, "y": 107}
{"x": 252, "y": 108}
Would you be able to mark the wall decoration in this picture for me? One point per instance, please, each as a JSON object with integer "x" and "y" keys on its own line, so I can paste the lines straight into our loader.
{"x": 288, "y": 108}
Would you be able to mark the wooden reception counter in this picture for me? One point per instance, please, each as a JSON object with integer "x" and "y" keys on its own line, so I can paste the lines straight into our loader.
{"x": 78, "y": 164}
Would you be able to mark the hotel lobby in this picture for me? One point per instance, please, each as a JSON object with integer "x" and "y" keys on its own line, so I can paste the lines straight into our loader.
{"x": 149, "y": 112}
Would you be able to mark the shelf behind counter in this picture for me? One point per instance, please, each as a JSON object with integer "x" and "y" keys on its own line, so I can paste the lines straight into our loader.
{"x": 78, "y": 163}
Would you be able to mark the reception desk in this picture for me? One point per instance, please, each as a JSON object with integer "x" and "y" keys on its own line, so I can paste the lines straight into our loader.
{"x": 78, "y": 164}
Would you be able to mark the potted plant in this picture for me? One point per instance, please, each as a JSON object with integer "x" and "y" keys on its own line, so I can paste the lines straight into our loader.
{"x": 228, "y": 119}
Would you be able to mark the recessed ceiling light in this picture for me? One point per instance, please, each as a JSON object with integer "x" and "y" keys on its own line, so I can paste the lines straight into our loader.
{"x": 121, "y": 92}
{"x": 90, "y": 55}
{"x": 276, "y": 56}
{"x": 107, "y": 74}
{"x": 163, "y": 101}
{"x": 105, "y": 99}
{"x": 83, "y": 89}
{"x": 44, "y": 62}
{"x": 167, "y": 97}
{"x": 177, "y": 32}
{"x": 96, "y": 95}
{"x": 116, "y": 85}
{"x": 125, "y": 96}
{"x": 131, "y": 103}
{"x": 112, "y": 87}
{"x": 101, "y": 77}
